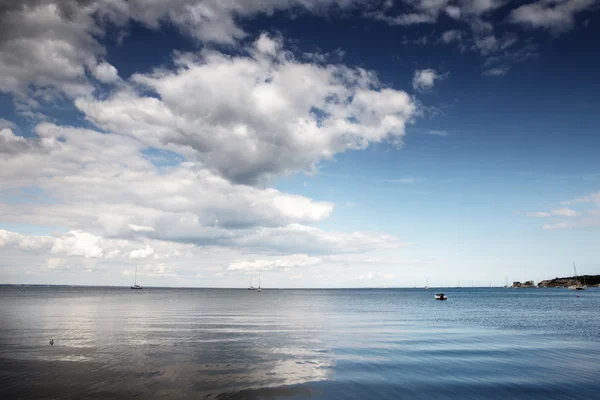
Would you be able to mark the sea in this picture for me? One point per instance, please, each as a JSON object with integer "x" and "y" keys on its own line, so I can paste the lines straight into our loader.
{"x": 118, "y": 343}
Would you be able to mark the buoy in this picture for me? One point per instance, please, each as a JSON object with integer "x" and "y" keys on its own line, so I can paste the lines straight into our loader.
{"x": 51, "y": 342}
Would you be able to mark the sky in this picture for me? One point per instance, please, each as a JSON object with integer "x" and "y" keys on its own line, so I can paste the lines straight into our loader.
{"x": 318, "y": 143}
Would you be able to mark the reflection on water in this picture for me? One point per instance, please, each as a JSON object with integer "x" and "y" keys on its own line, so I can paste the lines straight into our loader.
{"x": 342, "y": 344}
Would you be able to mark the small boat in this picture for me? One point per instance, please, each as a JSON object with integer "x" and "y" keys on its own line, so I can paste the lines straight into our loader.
{"x": 135, "y": 285}
{"x": 441, "y": 296}
{"x": 259, "y": 289}
{"x": 577, "y": 285}
{"x": 251, "y": 287}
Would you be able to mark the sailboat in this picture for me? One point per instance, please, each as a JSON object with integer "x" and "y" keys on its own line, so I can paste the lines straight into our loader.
{"x": 135, "y": 285}
{"x": 251, "y": 287}
{"x": 426, "y": 284}
{"x": 577, "y": 285}
{"x": 259, "y": 289}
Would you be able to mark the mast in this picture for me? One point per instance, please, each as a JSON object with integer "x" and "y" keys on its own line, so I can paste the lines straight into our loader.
{"x": 135, "y": 277}
{"x": 259, "y": 281}
{"x": 576, "y": 276}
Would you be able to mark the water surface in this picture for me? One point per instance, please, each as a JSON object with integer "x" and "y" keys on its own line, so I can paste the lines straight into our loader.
{"x": 330, "y": 344}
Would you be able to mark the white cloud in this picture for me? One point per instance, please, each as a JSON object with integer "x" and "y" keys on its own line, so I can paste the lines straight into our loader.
{"x": 291, "y": 261}
{"x": 565, "y": 212}
{"x": 587, "y": 216}
{"x": 437, "y": 132}
{"x": 424, "y": 79}
{"x": 269, "y": 112}
{"x": 5, "y": 124}
{"x": 429, "y": 11}
{"x": 43, "y": 53}
{"x": 453, "y": 35}
{"x": 560, "y": 212}
{"x": 591, "y": 198}
{"x": 558, "y": 225}
{"x": 538, "y": 214}
{"x": 403, "y": 181}
{"x": 453, "y": 12}
{"x": 48, "y": 48}
{"x": 130, "y": 195}
{"x": 498, "y": 71}
{"x": 102, "y": 183}
{"x": 105, "y": 72}
{"x": 141, "y": 253}
{"x": 554, "y": 15}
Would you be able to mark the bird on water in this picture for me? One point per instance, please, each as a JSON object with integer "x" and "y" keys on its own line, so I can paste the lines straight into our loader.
{"x": 51, "y": 342}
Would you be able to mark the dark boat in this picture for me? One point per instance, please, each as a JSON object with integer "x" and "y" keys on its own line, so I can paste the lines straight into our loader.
{"x": 441, "y": 296}
{"x": 135, "y": 285}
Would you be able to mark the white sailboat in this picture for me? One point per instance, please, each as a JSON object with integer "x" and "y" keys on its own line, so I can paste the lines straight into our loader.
{"x": 259, "y": 289}
{"x": 251, "y": 287}
{"x": 577, "y": 285}
{"x": 135, "y": 285}
{"x": 426, "y": 284}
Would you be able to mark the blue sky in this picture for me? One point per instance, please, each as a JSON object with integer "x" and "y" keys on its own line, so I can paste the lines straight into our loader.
{"x": 453, "y": 141}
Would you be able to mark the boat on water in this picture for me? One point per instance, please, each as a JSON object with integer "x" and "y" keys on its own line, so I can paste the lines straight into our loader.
{"x": 259, "y": 289}
{"x": 135, "y": 285}
{"x": 426, "y": 284}
{"x": 577, "y": 285}
{"x": 251, "y": 287}
{"x": 441, "y": 296}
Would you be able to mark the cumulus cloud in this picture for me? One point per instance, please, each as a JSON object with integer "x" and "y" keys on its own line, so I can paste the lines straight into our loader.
{"x": 105, "y": 72}
{"x": 269, "y": 112}
{"x": 141, "y": 253}
{"x": 130, "y": 195}
{"x": 5, "y": 124}
{"x": 44, "y": 50}
{"x": 554, "y": 15}
{"x": 49, "y": 48}
{"x": 424, "y": 79}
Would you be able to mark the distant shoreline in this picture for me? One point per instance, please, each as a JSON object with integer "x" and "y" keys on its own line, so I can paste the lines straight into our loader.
{"x": 589, "y": 280}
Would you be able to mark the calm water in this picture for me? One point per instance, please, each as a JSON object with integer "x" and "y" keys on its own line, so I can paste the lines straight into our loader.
{"x": 331, "y": 344}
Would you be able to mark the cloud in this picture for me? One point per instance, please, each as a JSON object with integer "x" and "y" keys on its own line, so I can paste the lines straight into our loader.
{"x": 269, "y": 112}
{"x": 561, "y": 212}
{"x": 402, "y": 181}
{"x": 424, "y": 79}
{"x": 44, "y": 50}
{"x": 585, "y": 217}
{"x": 104, "y": 184}
{"x": 429, "y": 11}
{"x": 591, "y": 198}
{"x": 133, "y": 195}
{"x": 291, "y": 261}
{"x": 554, "y": 15}
{"x": 558, "y": 225}
{"x": 453, "y": 35}
{"x": 498, "y": 71}
{"x": 105, "y": 72}
{"x": 49, "y": 49}
{"x": 141, "y": 253}
{"x": 5, "y": 124}
{"x": 436, "y": 132}
{"x": 565, "y": 212}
